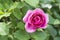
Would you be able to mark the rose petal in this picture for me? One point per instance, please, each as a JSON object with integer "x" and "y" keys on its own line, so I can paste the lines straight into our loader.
{"x": 43, "y": 27}
{"x": 29, "y": 28}
{"x": 25, "y": 19}
{"x": 47, "y": 20}
{"x": 39, "y": 11}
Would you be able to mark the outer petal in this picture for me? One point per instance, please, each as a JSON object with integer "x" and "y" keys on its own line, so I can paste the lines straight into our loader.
{"x": 25, "y": 19}
{"x": 29, "y": 28}
{"x": 39, "y": 11}
{"x": 47, "y": 20}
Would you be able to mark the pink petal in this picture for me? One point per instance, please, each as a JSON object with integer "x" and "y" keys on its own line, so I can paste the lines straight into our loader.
{"x": 39, "y": 11}
{"x": 44, "y": 27}
{"x": 47, "y": 20}
{"x": 29, "y": 28}
{"x": 25, "y": 19}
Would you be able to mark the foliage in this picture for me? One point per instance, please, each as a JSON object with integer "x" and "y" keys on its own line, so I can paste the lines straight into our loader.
{"x": 12, "y": 26}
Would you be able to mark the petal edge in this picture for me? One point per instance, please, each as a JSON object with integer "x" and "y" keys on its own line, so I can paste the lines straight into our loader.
{"x": 25, "y": 19}
{"x": 29, "y": 28}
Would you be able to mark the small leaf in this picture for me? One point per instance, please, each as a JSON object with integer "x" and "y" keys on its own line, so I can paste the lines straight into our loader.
{"x": 26, "y": 8}
{"x": 3, "y": 38}
{"x": 20, "y": 5}
{"x": 6, "y": 14}
{"x": 1, "y": 6}
{"x": 1, "y": 12}
{"x": 58, "y": 1}
{"x": 16, "y": 5}
{"x": 46, "y": 1}
{"x": 57, "y": 38}
{"x": 21, "y": 25}
{"x": 56, "y": 15}
{"x": 21, "y": 35}
{"x": 33, "y": 3}
{"x": 17, "y": 13}
{"x": 51, "y": 20}
{"x": 13, "y": 6}
{"x": 5, "y": 4}
{"x": 59, "y": 32}
{"x": 56, "y": 21}
{"x": 52, "y": 31}
{"x": 3, "y": 29}
{"x": 39, "y": 35}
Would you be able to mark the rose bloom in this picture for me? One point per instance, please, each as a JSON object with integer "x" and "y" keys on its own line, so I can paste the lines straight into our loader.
{"x": 35, "y": 19}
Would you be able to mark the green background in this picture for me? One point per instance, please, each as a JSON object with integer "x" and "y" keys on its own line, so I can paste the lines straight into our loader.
{"x": 13, "y": 11}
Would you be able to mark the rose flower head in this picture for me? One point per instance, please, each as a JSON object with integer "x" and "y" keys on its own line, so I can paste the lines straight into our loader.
{"x": 35, "y": 19}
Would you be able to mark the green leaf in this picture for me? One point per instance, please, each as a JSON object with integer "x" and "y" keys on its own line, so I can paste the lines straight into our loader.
{"x": 21, "y": 25}
{"x": 57, "y": 38}
{"x": 1, "y": 12}
{"x": 47, "y": 1}
{"x": 5, "y": 4}
{"x": 51, "y": 20}
{"x": 14, "y": 21}
{"x": 1, "y": 6}
{"x": 3, "y": 38}
{"x": 20, "y": 5}
{"x": 58, "y": 1}
{"x": 6, "y": 1}
{"x": 16, "y": 5}
{"x": 59, "y": 32}
{"x": 56, "y": 21}
{"x": 56, "y": 15}
{"x": 39, "y": 35}
{"x": 13, "y": 6}
{"x": 33, "y": 3}
{"x": 6, "y": 14}
{"x": 21, "y": 35}
{"x": 3, "y": 28}
{"x": 17, "y": 13}
{"x": 15, "y": 39}
{"x": 52, "y": 31}
{"x": 26, "y": 8}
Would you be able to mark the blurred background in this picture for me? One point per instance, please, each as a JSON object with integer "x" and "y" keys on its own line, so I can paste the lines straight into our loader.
{"x": 12, "y": 26}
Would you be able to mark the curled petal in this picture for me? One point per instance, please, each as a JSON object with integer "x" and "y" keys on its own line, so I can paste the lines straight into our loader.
{"x": 25, "y": 19}
{"x": 29, "y": 28}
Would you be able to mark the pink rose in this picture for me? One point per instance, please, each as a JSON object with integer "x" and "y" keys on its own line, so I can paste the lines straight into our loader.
{"x": 35, "y": 19}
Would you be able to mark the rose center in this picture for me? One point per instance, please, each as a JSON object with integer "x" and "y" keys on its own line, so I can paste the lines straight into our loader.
{"x": 36, "y": 19}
